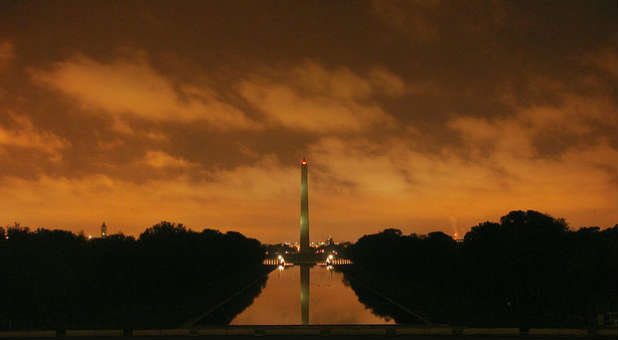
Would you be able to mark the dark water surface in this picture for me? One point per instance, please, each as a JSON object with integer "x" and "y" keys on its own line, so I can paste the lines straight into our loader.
{"x": 307, "y": 295}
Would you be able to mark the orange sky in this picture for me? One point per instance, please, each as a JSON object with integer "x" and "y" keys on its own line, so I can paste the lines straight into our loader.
{"x": 420, "y": 116}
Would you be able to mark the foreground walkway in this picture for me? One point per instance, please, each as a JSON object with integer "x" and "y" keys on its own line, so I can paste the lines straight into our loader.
{"x": 322, "y": 331}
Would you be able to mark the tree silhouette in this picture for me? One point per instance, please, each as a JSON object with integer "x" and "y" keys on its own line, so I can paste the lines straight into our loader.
{"x": 60, "y": 280}
{"x": 529, "y": 270}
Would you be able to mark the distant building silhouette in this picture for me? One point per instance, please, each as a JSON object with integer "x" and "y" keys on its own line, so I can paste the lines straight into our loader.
{"x": 103, "y": 230}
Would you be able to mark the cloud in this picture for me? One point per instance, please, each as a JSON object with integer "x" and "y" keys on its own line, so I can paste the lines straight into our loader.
{"x": 503, "y": 168}
{"x": 392, "y": 184}
{"x": 577, "y": 181}
{"x": 519, "y": 113}
{"x": 159, "y": 159}
{"x": 409, "y": 17}
{"x": 436, "y": 21}
{"x": 357, "y": 186}
{"x": 308, "y": 96}
{"x": 321, "y": 100}
{"x": 526, "y": 131}
{"x": 25, "y": 135}
{"x": 7, "y": 53}
{"x": 605, "y": 60}
{"x": 132, "y": 87}
{"x": 241, "y": 199}
{"x": 388, "y": 82}
{"x": 342, "y": 83}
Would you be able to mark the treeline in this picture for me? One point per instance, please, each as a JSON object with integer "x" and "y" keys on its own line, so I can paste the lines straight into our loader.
{"x": 55, "y": 279}
{"x": 529, "y": 270}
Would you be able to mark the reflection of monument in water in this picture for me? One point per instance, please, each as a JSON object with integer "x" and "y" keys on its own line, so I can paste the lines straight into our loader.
{"x": 305, "y": 278}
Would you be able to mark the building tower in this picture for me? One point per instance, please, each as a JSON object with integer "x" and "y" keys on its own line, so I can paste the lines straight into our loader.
{"x": 103, "y": 230}
{"x": 304, "y": 209}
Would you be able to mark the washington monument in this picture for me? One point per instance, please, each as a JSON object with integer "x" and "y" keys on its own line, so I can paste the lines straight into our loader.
{"x": 305, "y": 251}
{"x": 304, "y": 209}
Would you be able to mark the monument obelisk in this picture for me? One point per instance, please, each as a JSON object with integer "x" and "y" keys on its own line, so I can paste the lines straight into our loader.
{"x": 304, "y": 211}
{"x": 305, "y": 251}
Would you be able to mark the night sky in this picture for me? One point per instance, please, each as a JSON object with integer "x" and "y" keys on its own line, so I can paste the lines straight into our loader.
{"x": 417, "y": 115}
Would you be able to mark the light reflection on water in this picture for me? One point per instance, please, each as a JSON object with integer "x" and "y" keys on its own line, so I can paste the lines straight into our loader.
{"x": 307, "y": 295}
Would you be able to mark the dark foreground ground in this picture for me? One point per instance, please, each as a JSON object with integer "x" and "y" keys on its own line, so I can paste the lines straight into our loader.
{"x": 321, "y": 332}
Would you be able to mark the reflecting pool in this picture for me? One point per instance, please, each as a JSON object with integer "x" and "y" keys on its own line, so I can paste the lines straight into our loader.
{"x": 307, "y": 295}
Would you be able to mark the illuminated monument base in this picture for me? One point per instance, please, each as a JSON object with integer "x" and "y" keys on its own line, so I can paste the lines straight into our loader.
{"x": 303, "y": 258}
